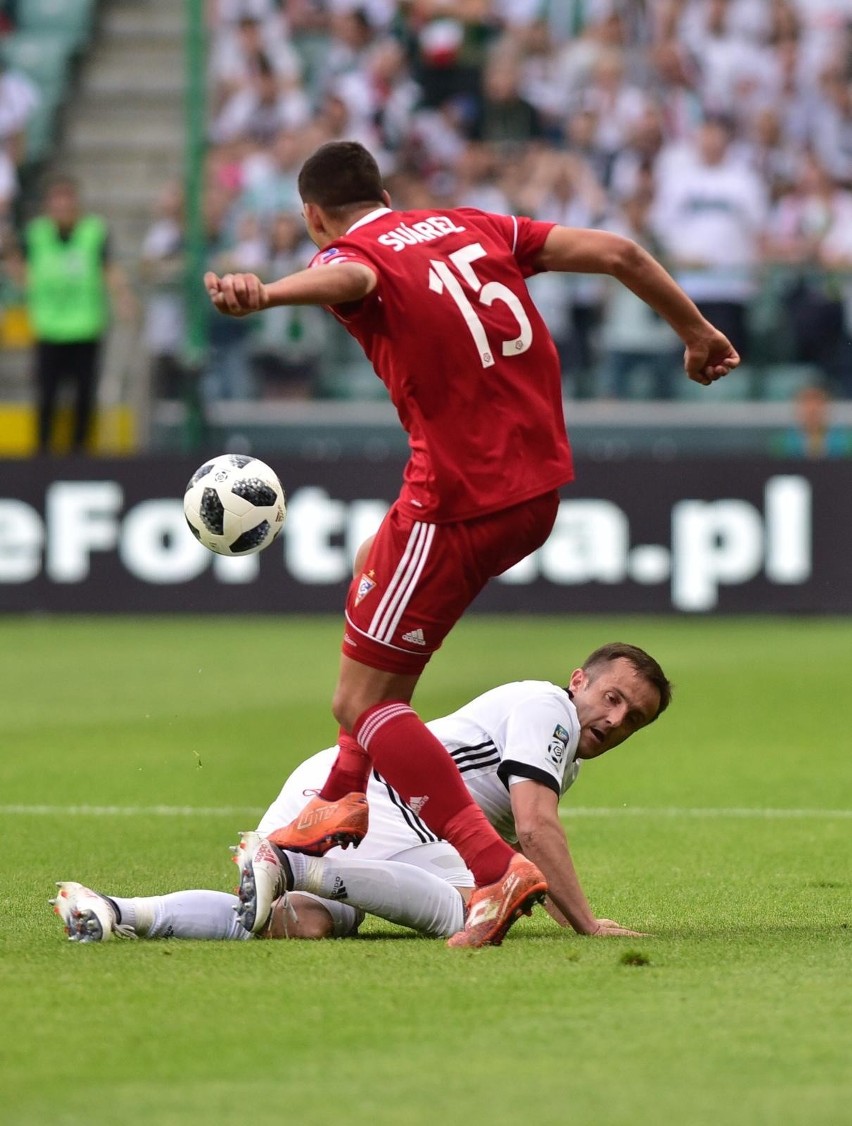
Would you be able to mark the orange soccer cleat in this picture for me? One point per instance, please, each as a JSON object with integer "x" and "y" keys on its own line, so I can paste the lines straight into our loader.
{"x": 492, "y": 909}
{"x": 323, "y": 824}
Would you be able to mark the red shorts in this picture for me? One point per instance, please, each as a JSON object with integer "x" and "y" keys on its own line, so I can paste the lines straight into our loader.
{"x": 418, "y": 579}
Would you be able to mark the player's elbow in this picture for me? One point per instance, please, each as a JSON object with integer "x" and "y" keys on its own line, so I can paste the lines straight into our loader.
{"x": 624, "y": 258}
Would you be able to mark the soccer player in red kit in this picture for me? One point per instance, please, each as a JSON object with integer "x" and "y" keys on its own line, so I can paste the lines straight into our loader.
{"x": 438, "y": 301}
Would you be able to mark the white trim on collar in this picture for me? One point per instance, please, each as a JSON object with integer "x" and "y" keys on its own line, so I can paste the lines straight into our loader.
{"x": 368, "y": 218}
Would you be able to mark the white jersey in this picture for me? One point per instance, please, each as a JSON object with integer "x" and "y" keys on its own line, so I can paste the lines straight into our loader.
{"x": 524, "y": 730}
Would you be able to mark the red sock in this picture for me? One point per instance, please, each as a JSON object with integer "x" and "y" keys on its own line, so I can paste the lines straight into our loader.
{"x": 350, "y": 771}
{"x": 420, "y": 769}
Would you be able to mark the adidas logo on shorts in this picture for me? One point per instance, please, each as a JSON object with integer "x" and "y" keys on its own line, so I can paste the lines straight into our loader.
{"x": 415, "y": 637}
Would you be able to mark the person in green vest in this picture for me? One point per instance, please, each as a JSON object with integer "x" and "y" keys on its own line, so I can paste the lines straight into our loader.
{"x": 71, "y": 284}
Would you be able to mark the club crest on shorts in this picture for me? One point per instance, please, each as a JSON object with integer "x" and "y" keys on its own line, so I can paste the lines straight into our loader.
{"x": 365, "y": 585}
{"x": 558, "y": 744}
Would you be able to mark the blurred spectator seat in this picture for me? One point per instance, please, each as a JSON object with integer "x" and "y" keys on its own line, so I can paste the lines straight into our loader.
{"x": 72, "y": 20}
{"x": 738, "y": 387}
{"x": 783, "y": 382}
{"x": 45, "y": 58}
{"x": 15, "y": 330}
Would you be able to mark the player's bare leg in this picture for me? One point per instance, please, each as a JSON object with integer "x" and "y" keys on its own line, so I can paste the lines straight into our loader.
{"x": 326, "y": 822}
{"x": 403, "y": 893}
{"x": 350, "y": 771}
{"x": 375, "y": 706}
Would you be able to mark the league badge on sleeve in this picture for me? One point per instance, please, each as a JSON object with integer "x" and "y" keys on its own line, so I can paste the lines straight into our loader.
{"x": 558, "y": 745}
{"x": 332, "y": 257}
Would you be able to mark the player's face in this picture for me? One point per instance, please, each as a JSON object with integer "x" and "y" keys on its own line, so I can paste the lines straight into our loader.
{"x": 612, "y": 704}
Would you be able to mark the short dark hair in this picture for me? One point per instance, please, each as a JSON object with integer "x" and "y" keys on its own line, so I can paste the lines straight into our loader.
{"x": 63, "y": 181}
{"x": 643, "y": 662}
{"x": 341, "y": 175}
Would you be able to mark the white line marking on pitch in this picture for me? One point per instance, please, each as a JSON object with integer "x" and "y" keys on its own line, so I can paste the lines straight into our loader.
{"x": 131, "y": 810}
{"x": 570, "y": 812}
{"x": 669, "y": 811}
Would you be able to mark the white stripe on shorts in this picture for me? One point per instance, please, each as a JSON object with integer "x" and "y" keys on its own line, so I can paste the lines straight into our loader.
{"x": 403, "y": 584}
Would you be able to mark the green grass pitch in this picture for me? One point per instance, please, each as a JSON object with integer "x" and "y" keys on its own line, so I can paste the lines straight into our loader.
{"x": 724, "y": 830}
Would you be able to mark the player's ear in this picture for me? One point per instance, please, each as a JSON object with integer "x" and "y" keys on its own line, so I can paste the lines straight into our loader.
{"x": 314, "y": 218}
{"x": 579, "y": 679}
{"x": 386, "y": 197}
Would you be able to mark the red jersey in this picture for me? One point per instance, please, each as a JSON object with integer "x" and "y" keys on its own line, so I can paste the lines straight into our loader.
{"x": 470, "y": 365}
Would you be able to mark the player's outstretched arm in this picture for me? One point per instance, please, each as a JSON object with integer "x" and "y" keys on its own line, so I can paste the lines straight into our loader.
{"x": 542, "y": 839}
{"x": 237, "y": 295}
{"x": 708, "y": 354}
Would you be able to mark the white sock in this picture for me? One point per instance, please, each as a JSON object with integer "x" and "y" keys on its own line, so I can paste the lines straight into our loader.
{"x": 183, "y": 914}
{"x": 399, "y": 893}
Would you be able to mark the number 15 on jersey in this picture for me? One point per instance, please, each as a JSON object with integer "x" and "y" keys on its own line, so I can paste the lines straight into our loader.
{"x": 443, "y": 279}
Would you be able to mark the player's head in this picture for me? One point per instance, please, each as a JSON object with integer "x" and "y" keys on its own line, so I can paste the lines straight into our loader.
{"x": 618, "y": 690}
{"x": 335, "y": 183}
{"x": 62, "y": 200}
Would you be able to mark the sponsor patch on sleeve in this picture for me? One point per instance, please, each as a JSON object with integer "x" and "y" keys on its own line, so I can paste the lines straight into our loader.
{"x": 558, "y": 745}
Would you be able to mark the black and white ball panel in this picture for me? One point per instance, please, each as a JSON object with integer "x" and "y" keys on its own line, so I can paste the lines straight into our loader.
{"x": 235, "y": 504}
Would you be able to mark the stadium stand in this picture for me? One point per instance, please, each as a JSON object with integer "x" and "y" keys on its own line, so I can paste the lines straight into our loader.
{"x": 45, "y": 57}
{"x": 73, "y": 20}
{"x": 579, "y": 112}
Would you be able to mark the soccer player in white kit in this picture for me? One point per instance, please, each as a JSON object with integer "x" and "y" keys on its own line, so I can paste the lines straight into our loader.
{"x": 518, "y": 748}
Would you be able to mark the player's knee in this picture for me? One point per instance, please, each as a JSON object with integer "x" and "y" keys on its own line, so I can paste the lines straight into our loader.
{"x": 347, "y": 706}
{"x": 340, "y": 709}
{"x": 300, "y": 916}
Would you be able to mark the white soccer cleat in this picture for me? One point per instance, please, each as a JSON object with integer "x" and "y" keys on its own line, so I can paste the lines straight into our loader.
{"x": 88, "y": 916}
{"x": 264, "y": 876}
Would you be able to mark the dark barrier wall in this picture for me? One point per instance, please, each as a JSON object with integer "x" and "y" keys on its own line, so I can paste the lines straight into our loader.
{"x": 689, "y": 536}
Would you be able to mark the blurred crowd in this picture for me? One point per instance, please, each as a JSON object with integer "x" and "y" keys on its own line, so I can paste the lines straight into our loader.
{"x": 718, "y": 133}
{"x": 20, "y": 97}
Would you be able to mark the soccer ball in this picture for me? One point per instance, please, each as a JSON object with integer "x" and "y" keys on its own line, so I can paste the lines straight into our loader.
{"x": 234, "y": 504}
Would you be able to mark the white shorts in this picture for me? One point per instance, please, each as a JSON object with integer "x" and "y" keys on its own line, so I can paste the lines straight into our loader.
{"x": 395, "y": 832}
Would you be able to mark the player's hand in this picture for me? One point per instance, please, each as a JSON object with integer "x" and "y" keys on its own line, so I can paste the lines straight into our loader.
{"x": 236, "y": 295}
{"x": 710, "y": 359}
{"x": 608, "y": 928}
